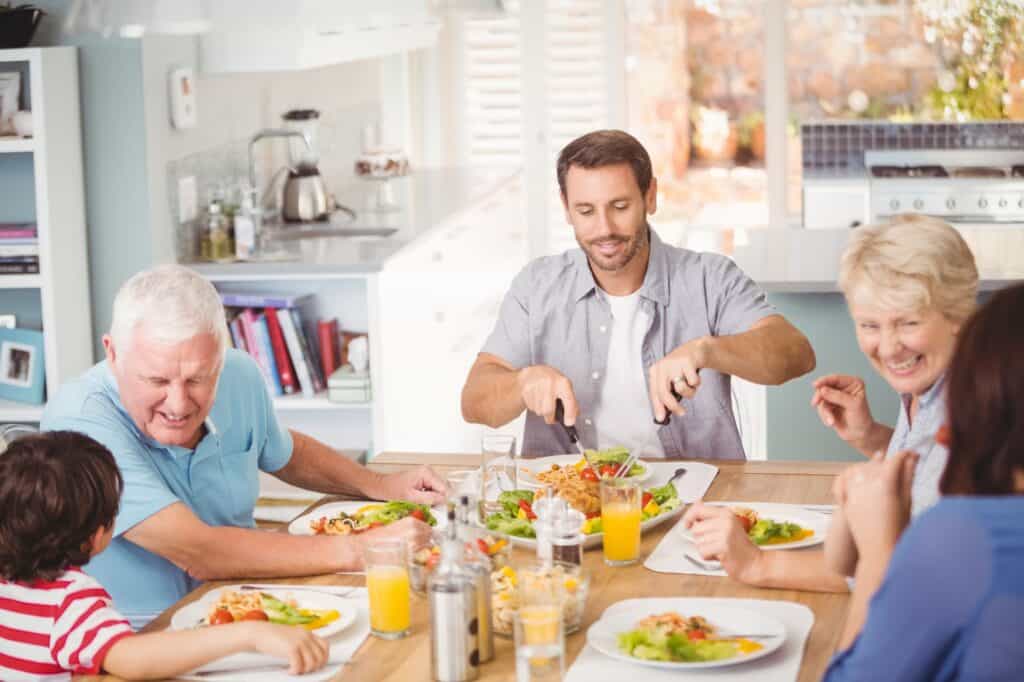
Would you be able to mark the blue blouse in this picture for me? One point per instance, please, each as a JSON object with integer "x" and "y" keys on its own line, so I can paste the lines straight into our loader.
{"x": 952, "y": 602}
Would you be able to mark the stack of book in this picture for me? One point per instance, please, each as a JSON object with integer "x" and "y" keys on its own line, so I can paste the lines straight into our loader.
{"x": 347, "y": 385}
{"x": 19, "y": 249}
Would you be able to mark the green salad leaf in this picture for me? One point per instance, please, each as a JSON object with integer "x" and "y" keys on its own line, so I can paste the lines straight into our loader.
{"x": 510, "y": 499}
{"x": 664, "y": 493}
{"x": 281, "y": 613}
{"x": 655, "y": 644}
{"x": 616, "y": 455}
{"x": 508, "y": 524}
{"x": 766, "y": 530}
{"x": 395, "y": 511}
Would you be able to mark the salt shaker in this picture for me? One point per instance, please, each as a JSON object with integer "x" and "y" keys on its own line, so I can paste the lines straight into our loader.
{"x": 454, "y": 624}
{"x": 558, "y": 531}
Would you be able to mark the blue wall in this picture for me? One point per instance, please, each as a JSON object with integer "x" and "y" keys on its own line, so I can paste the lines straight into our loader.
{"x": 114, "y": 155}
{"x": 794, "y": 430}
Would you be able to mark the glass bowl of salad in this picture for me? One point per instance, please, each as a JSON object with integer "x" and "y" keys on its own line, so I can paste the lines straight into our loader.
{"x": 481, "y": 546}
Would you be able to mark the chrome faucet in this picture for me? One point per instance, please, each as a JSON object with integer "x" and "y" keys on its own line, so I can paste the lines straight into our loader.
{"x": 268, "y": 132}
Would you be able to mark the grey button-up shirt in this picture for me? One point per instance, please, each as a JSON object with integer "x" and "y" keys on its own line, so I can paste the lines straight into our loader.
{"x": 555, "y": 314}
{"x": 919, "y": 436}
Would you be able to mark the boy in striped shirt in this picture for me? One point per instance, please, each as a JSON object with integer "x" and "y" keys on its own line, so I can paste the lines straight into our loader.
{"x": 59, "y": 495}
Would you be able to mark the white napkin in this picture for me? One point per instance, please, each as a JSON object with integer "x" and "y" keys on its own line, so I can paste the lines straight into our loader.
{"x": 251, "y": 667}
{"x": 781, "y": 666}
{"x": 676, "y": 553}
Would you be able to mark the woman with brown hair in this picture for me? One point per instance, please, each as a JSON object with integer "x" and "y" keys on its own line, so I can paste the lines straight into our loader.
{"x": 943, "y": 601}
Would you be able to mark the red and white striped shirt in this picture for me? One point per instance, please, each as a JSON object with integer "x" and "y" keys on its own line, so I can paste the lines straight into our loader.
{"x": 51, "y": 629}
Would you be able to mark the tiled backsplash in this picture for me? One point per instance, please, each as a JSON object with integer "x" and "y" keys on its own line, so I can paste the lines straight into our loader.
{"x": 836, "y": 149}
{"x": 227, "y": 164}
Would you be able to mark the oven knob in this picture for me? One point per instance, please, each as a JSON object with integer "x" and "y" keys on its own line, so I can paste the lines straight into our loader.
{"x": 1002, "y": 203}
{"x": 950, "y": 203}
{"x": 918, "y": 204}
{"x": 894, "y": 204}
{"x": 982, "y": 203}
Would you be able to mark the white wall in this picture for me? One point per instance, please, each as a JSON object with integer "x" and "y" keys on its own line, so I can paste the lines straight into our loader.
{"x": 233, "y": 107}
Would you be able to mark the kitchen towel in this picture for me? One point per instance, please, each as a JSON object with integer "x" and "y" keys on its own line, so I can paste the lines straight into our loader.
{"x": 676, "y": 553}
{"x": 252, "y": 667}
{"x": 780, "y": 666}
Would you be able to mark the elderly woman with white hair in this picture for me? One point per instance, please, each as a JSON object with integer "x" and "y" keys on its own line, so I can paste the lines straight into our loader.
{"x": 909, "y": 284}
{"x": 191, "y": 424}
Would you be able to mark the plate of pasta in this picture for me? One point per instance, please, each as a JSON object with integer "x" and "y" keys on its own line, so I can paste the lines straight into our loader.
{"x": 324, "y": 613}
{"x": 541, "y": 471}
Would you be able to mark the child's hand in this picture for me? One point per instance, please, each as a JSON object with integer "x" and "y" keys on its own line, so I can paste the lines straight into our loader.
{"x": 304, "y": 650}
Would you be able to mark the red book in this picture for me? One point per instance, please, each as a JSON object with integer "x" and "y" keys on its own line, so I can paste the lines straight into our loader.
{"x": 284, "y": 365}
{"x": 327, "y": 333}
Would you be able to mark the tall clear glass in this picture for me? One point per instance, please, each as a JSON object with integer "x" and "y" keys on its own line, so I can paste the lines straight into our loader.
{"x": 387, "y": 580}
{"x": 620, "y": 520}
{"x": 540, "y": 643}
{"x": 498, "y": 470}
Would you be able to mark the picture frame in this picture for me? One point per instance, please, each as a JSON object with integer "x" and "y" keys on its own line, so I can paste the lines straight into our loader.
{"x": 22, "y": 365}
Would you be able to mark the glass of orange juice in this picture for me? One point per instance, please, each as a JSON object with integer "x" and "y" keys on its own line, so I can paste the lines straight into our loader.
{"x": 387, "y": 580}
{"x": 620, "y": 519}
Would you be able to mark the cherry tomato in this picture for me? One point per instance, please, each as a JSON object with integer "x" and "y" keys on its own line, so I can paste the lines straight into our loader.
{"x": 418, "y": 515}
{"x": 432, "y": 561}
{"x": 944, "y": 436}
{"x": 587, "y": 474}
{"x": 255, "y": 614}
{"x": 607, "y": 470}
{"x": 593, "y": 515}
{"x": 483, "y": 546}
{"x": 221, "y": 617}
{"x": 645, "y": 499}
{"x": 696, "y": 634}
{"x": 525, "y": 506}
{"x": 746, "y": 522}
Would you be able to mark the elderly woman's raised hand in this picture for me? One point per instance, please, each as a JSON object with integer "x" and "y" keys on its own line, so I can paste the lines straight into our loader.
{"x": 875, "y": 498}
{"x": 842, "y": 404}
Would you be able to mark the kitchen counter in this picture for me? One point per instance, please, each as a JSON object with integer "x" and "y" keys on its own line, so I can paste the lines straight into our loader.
{"x": 426, "y": 198}
{"x": 795, "y": 260}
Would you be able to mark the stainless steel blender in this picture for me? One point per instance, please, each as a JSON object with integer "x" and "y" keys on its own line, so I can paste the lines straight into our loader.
{"x": 305, "y": 195}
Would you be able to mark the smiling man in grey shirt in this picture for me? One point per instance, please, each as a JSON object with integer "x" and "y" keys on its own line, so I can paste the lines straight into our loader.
{"x": 622, "y": 327}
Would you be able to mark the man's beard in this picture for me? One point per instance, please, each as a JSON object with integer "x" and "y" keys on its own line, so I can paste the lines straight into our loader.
{"x": 633, "y": 247}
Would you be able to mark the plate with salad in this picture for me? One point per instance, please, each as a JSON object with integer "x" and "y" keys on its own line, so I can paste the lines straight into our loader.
{"x": 780, "y": 526}
{"x": 515, "y": 520}
{"x": 354, "y": 517}
{"x": 324, "y": 613}
{"x": 685, "y": 634}
{"x": 534, "y": 473}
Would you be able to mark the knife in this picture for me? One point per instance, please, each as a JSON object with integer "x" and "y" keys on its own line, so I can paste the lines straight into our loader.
{"x": 574, "y": 436}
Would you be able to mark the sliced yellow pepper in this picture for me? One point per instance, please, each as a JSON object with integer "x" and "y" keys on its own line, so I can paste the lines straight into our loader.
{"x": 652, "y": 508}
{"x": 499, "y": 545}
{"x": 325, "y": 618}
{"x": 580, "y": 465}
{"x": 588, "y": 525}
{"x": 521, "y": 514}
{"x": 368, "y": 507}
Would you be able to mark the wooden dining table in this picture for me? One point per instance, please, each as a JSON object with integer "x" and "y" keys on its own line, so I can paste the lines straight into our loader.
{"x": 408, "y": 659}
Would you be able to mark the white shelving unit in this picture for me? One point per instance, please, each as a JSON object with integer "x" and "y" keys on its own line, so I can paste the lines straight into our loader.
{"x": 62, "y": 284}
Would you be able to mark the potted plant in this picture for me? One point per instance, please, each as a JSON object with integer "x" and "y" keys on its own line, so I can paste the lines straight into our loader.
{"x": 18, "y": 24}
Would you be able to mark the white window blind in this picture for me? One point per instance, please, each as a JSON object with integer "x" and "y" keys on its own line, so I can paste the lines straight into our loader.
{"x": 543, "y": 74}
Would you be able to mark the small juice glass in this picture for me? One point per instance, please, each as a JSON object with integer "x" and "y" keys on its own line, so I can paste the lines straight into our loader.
{"x": 620, "y": 519}
{"x": 387, "y": 580}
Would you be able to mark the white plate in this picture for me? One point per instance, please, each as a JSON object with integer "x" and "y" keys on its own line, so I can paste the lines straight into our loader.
{"x": 623, "y": 617}
{"x": 300, "y": 526}
{"x": 529, "y": 468}
{"x": 784, "y": 513}
{"x": 595, "y": 539}
{"x": 188, "y": 616}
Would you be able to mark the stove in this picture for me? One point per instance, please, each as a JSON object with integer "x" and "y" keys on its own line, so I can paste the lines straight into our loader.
{"x": 976, "y": 188}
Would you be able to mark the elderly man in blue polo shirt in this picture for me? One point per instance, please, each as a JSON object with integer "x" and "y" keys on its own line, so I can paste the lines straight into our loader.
{"x": 624, "y": 326}
{"x": 191, "y": 425}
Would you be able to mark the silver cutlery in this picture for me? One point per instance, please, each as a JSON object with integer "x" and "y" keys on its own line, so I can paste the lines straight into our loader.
{"x": 678, "y": 473}
{"x": 339, "y": 591}
{"x": 703, "y": 565}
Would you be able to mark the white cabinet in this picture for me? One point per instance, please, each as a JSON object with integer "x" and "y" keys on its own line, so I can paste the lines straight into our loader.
{"x": 50, "y": 163}
{"x": 260, "y": 35}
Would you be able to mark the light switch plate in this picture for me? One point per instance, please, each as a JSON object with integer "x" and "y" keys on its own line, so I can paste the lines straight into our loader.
{"x": 183, "y": 98}
{"x": 188, "y": 202}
